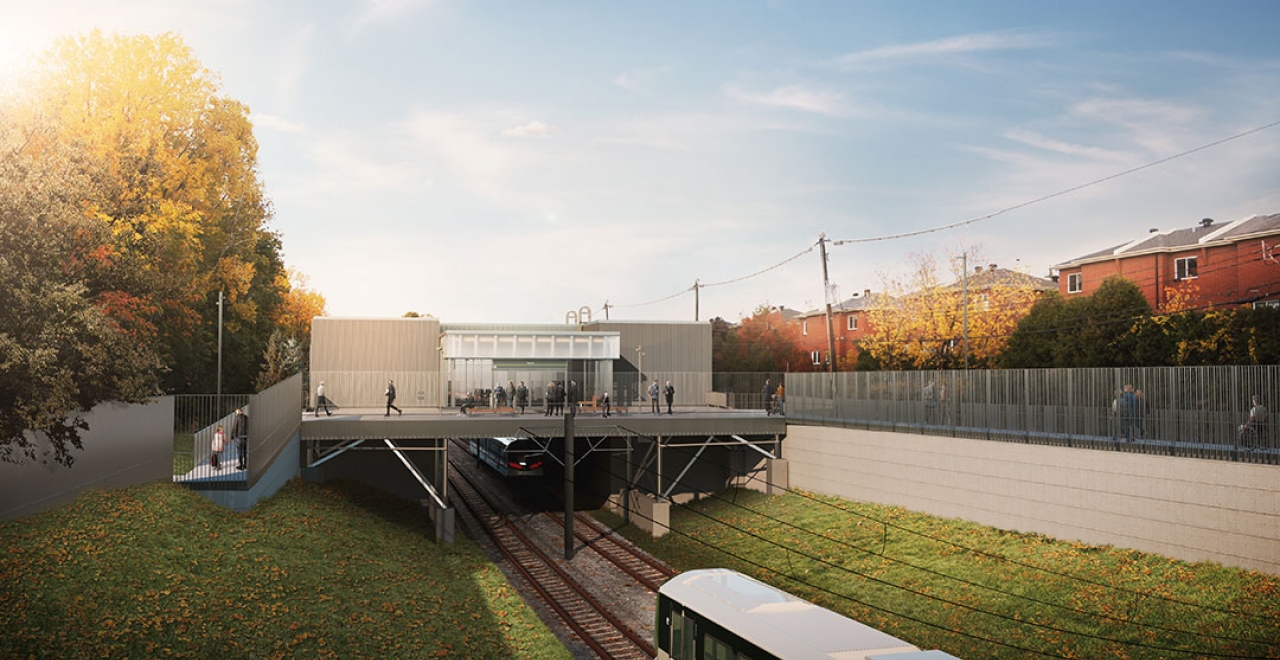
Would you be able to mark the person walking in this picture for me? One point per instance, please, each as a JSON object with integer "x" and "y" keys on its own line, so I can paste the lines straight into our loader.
{"x": 522, "y": 397}
{"x": 321, "y": 401}
{"x": 766, "y": 393}
{"x": 671, "y": 395}
{"x": 1128, "y": 411}
{"x": 215, "y": 453}
{"x": 1254, "y": 430}
{"x": 654, "y": 406}
{"x": 391, "y": 399}
{"x": 240, "y": 431}
{"x": 604, "y": 402}
{"x": 780, "y": 399}
{"x": 550, "y": 398}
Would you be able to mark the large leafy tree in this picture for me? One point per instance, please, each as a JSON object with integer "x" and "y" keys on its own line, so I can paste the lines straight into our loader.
{"x": 1101, "y": 330}
{"x": 177, "y": 191}
{"x": 762, "y": 342}
{"x": 62, "y": 349}
{"x": 923, "y": 323}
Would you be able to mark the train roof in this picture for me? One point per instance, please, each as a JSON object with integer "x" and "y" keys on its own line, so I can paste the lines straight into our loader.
{"x": 776, "y": 621}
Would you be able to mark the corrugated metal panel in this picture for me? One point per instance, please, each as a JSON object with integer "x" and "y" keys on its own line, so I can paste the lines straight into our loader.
{"x": 356, "y": 357}
{"x": 678, "y": 352}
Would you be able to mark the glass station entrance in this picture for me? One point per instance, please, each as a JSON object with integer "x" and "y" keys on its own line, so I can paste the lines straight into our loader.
{"x": 476, "y": 362}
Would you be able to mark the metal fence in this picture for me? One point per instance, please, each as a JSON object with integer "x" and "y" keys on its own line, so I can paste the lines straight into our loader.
{"x": 195, "y": 418}
{"x": 1180, "y": 411}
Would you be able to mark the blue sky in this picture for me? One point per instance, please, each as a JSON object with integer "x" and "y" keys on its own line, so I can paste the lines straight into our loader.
{"x": 515, "y": 161}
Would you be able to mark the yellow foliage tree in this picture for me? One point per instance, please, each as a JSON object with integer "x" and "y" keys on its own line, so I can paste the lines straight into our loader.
{"x": 920, "y": 323}
{"x": 175, "y": 167}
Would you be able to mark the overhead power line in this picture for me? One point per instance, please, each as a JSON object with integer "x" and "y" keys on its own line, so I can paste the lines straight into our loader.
{"x": 1060, "y": 193}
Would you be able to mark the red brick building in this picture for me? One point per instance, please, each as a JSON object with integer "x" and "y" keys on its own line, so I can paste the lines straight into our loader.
{"x": 848, "y": 319}
{"x": 1209, "y": 265}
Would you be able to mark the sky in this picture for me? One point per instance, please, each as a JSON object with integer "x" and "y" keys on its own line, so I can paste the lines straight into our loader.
{"x": 536, "y": 162}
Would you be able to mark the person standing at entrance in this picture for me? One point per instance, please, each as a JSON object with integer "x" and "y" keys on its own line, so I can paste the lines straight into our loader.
{"x": 391, "y": 399}
{"x": 240, "y": 431}
{"x": 654, "y": 406}
{"x": 671, "y": 395}
{"x": 573, "y": 397}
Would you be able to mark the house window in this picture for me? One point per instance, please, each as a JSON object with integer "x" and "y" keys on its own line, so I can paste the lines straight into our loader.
{"x": 804, "y": 327}
{"x": 1185, "y": 268}
{"x": 1266, "y": 303}
{"x": 853, "y": 322}
{"x": 816, "y": 356}
{"x": 982, "y": 302}
{"x": 1075, "y": 282}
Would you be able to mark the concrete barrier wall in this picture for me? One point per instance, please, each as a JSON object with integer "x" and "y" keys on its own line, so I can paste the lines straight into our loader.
{"x": 125, "y": 445}
{"x": 1185, "y": 508}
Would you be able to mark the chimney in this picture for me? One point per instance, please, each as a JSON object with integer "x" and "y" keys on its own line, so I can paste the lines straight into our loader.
{"x": 866, "y": 292}
{"x": 1206, "y": 223}
{"x": 977, "y": 269}
{"x": 991, "y": 267}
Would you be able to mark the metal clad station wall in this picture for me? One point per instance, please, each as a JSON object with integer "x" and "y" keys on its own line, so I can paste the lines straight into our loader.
{"x": 678, "y": 352}
{"x": 356, "y": 357}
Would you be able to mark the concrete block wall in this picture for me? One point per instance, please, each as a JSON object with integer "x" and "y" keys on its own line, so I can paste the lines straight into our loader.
{"x": 1189, "y": 509}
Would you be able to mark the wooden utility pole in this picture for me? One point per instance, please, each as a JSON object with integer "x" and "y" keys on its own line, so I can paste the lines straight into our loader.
{"x": 826, "y": 295}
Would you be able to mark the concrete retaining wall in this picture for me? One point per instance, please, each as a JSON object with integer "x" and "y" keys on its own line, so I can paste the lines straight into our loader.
{"x": 1185, "y": 508}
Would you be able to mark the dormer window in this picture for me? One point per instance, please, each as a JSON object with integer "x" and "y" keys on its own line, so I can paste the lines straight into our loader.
{"x": 1185, "y": 268}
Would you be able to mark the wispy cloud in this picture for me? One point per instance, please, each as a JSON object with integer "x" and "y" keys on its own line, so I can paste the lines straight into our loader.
{"x": 378, "y": 11}
{"x": 957, "y": 45}
{"x": 263, "y": 120}
{"x": 639, "y": 80}
{"x": 1044, "y": 143}
{"x": 796, "y": 97}
{"x": 534, "y": 128}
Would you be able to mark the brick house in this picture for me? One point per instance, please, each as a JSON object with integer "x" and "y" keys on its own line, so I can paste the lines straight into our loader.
{"x": 848, "y": 319}
{"x": 1208, "y": 265}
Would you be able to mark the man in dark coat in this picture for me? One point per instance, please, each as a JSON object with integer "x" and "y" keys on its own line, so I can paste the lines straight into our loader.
{"x": 391, "y": 399}
{"x": 240, "y": 431}
{"x": 671, "y": 395}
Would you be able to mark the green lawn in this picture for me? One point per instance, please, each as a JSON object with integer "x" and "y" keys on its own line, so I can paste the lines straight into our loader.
{"x": 974, "y": 591}
{"x": 318, "y": 571}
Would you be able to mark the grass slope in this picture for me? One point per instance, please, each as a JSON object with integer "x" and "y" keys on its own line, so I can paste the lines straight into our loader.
{"x": 973, "y": 591}
{"x": 319, "y": 571}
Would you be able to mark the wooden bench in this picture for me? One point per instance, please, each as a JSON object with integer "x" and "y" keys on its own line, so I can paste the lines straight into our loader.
{"x": 467, "y": 410}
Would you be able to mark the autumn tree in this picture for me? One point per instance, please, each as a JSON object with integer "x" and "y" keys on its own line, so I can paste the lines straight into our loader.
{"x": 61, "y": 351}
{"x": 177, "y": 190}
{"x": 924, "y": 322}
{"x": 762, "y": 342}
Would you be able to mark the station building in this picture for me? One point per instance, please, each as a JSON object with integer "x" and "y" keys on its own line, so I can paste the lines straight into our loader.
{"x": 438, "y": 365}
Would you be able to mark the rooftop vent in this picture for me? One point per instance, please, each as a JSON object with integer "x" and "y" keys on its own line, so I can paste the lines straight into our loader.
{"x": 1206, "y": 222}
{"x": 1153, "y": 230}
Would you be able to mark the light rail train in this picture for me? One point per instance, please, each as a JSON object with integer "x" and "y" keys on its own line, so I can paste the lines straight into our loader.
{"x": 720, "y": 614}
{"x": 509, "y": 457}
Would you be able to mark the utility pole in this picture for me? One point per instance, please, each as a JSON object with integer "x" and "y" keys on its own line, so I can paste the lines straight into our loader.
{"x": 640, "y": 372}
{"x": 826, "y": 295}
{"x": 964, "y": 300}
{"x": 697, "y": 301}
{"x": 606, "y": 310}
{"x": 219, "y": 400}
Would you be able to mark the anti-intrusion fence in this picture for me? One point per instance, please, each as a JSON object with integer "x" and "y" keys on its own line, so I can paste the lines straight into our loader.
{"x": 1179, "y": 411}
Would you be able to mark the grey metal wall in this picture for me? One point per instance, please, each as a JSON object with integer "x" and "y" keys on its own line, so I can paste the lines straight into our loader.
{"x": 356, "y": 357}
{"x": 678, "y": 352}
{"x": 125, "y": 445}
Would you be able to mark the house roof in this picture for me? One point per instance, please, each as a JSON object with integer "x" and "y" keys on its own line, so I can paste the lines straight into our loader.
{"x": 855, "y": 303}
{"x": 994, "y": 277}
{"x": 1204, "y": 234}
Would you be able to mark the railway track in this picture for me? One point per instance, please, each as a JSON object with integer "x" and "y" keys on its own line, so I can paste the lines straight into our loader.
{"x": 641, "y": 567}
{"x": 602, "y": 632}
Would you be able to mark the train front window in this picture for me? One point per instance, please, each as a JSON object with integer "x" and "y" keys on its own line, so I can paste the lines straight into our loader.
{"x": 681, "y": 637}
{"x": 714, "y": 649}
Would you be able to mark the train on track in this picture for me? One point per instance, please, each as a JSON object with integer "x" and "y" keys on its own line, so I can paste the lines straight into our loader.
{"x": 720, "y": 614}
{"x": 509, "y": 457}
